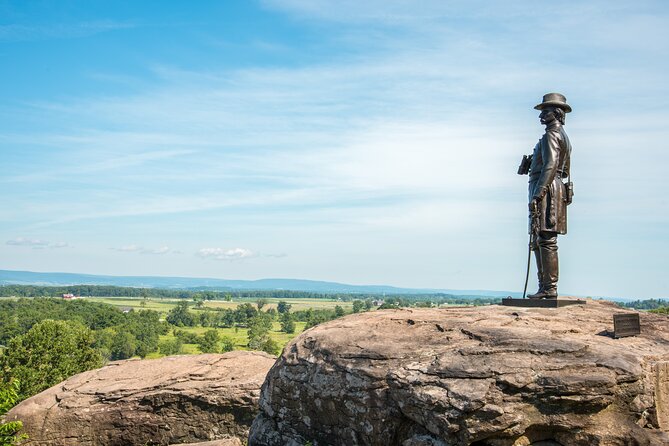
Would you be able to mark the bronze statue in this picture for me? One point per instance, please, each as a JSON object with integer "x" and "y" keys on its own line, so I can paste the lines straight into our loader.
{"x": 549, "y": 195}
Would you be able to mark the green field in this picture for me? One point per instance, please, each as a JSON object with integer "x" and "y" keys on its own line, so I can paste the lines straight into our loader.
{"x": 164, "y": 305}
{"x": 237, "y": 334}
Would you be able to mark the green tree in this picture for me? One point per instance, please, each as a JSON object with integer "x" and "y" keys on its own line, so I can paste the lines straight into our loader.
{"x": 9, "y": 432}
{"x": 209, "y": 342}
{"x": 146, "y": 327}
{"x": 104, "y": 340}
{"x": 660, "y": 310}
{"x": 358, "y": 305}
{"x": 283, "y": 306}
{"x": 50, "y": 352}
{"x": 124, "y": 346}
{"x": 244, "y": 312}
{"x": 287, "y": 323}
{"x": 258, "y": 334}
{"x": 227, "y": 319}
{"x": 227, "y": 344}
{"x": 208, "y": 318}
{"x": 261, "y": 303}
{"x": 180, "y": 316}
{"x": 318, "y": 317}
{"x": 199, "y": 300}
{"x": 339, "y": 311}
{"x": 173, "y": 347}
{"x": 186, "y": 337}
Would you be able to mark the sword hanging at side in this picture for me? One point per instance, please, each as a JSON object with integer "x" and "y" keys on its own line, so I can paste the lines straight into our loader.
{"x": 534, "y": 233}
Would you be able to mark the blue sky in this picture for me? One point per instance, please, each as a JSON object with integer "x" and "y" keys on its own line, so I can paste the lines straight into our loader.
{"x": 371, "y": 142}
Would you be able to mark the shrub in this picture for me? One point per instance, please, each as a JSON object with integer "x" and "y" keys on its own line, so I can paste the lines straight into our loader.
{"x": 9, "y": 432}
{"x": 50, "y": 352}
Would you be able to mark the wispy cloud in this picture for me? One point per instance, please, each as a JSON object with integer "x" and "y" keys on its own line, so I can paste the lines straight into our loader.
{"x": 36, "y": 243}
{"x": 60, "y": 245}
{"x": 158, "y": 251}
{"x": 141, "y": 250}
{"x": 226, "y": 253}
{"x": 21, "y": 32}
{"x": 23, "y": 241}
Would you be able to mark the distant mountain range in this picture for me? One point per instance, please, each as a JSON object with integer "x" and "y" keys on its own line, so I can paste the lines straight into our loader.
{"x": 55, "y": 279}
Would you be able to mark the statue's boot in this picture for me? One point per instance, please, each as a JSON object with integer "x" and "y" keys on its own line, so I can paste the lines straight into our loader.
{"x": 549, "y": 272}
{"x": 540, "y": 276}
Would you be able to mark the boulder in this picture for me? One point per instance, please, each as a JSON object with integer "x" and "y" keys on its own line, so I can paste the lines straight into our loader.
{"x": 492, "y": 375}
{"x": 177, "y": 399}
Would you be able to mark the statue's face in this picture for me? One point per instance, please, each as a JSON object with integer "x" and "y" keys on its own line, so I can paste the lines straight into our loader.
{"x": 547, "y": 115}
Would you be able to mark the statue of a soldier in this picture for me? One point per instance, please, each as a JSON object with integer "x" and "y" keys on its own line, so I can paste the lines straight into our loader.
{"x": 549, "y": 194}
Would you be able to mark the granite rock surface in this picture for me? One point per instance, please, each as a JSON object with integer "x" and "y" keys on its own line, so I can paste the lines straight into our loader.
{"x": 177, "y": 399}
{"x": 493, "y": 375}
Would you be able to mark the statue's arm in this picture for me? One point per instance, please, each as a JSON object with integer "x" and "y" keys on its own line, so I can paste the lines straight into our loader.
{"x": 550, "y": 154}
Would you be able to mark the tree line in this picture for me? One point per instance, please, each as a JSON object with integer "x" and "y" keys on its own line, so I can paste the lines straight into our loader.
{"x": 209, "y": 294}
{"x": 648, "y": 304}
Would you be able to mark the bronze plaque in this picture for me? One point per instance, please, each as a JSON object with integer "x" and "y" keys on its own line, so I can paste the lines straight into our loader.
{"x": 626, "y": 325}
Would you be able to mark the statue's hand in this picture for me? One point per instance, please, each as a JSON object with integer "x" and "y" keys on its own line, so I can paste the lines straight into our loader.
{"x": 533, "y": 206}
{"x": 539, "y": 195}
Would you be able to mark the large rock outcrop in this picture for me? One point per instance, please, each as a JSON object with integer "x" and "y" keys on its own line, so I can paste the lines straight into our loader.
{"x": 177, "y": 399}
{"x": 492, "y": 375}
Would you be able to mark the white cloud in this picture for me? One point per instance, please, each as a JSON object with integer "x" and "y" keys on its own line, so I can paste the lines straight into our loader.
{"x": 59, "y": 245}
{"x": 37, "y": 243}
{"x": 226, "y": 254}
{"x": 159, "y": 251}
{"x": 23, "y": 241}
{"x": 142, "y": 250}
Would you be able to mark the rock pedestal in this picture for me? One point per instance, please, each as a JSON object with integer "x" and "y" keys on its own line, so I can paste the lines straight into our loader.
{"x": 177, "y": 399}
{"x": 491, "y": 375}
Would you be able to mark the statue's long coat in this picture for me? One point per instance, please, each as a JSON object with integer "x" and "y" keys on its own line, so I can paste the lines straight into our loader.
{"x": 550, "y": 164}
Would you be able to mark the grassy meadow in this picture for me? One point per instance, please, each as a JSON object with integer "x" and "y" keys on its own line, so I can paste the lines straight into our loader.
{"x": 164, "y": 305}
{"x": 237, "y": 334}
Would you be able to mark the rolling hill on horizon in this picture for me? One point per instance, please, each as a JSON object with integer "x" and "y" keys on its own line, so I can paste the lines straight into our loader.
{"x": 9, "y": 277}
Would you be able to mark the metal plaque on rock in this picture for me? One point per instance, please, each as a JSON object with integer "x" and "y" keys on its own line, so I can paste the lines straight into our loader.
{"x": 626, "y": 325}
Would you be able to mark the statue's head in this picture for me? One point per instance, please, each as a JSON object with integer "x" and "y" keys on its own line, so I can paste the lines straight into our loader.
{"x": 553, "y": 107}
{"x": 550, "y": 114}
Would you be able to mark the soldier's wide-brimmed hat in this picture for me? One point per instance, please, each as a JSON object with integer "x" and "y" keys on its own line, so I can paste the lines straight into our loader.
{"x": 554, "y": 100}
